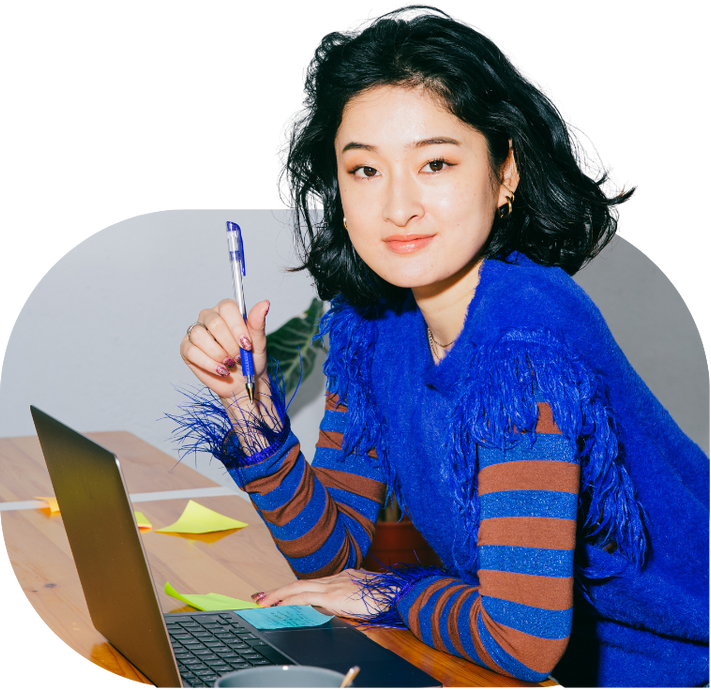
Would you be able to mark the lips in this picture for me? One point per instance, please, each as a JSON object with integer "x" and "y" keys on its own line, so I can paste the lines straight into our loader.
{"x": 406, "y": 244}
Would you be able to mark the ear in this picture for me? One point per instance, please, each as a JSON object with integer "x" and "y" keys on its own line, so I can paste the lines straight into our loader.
{"x": 509, "y": 177}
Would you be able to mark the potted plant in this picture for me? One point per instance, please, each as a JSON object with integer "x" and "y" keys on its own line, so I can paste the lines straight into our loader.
{"x": 396, "y": 539}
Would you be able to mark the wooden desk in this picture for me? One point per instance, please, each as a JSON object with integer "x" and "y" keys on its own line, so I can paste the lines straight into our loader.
{"x": 235, "y": 563}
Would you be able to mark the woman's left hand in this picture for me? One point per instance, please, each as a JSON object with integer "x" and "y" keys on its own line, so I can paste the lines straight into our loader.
{"x": 341, "y": 594}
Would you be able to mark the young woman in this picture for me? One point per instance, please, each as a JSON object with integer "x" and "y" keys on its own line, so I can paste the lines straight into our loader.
{"x": 468, "y": 376}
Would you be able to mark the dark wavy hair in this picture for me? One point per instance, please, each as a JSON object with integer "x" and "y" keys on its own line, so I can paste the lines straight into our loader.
{"x": 561, "y": 216}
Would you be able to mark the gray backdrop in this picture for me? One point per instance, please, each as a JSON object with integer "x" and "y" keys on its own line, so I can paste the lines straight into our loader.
{"x": 96, "y": 344}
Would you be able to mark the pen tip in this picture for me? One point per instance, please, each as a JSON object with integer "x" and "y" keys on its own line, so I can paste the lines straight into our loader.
{"x": 250, "y": 393}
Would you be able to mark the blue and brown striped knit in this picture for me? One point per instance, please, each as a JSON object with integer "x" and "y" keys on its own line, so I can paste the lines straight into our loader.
{"x": 517, "y": 619}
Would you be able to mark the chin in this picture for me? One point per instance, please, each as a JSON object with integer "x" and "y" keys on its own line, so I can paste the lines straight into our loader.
{"x": 416, "y": 272}
{"x": 410, "y": 282}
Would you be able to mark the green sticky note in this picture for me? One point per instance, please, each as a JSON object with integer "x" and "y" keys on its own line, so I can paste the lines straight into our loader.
{"x": 210, "y": 602}
{"x": 141, "y": 521}
{"x": 197, "y": 519}
{"x": 289, "y": 616}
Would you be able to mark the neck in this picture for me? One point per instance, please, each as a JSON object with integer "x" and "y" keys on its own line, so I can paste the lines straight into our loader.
{"x": 444, "y": 305}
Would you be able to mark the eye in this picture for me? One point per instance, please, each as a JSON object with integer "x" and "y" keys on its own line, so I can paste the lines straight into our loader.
{"x": 364, "y": 171}
{"x": 435, "y": 166}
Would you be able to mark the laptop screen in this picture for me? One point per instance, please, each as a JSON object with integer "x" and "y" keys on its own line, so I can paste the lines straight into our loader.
{"x": 107, "y": 549}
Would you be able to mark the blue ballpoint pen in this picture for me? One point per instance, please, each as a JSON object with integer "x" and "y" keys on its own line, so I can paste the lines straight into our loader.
{"x": 234, "y": 242}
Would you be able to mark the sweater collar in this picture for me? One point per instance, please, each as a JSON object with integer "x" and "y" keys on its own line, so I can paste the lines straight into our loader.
{"x": 444, "y": 376}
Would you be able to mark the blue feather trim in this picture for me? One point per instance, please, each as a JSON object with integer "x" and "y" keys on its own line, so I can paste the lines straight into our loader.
{"x": 251, "y": 435}
{"x": 497, "y": 401}
{"x": 352, "y": 336}
{"x": 381, "y": 593}
{"x": 497, "y": 407}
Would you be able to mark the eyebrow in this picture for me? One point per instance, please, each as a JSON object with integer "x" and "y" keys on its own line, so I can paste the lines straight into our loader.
{"x": 434, "y": 141}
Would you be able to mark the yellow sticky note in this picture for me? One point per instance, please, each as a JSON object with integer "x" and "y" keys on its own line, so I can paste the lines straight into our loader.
{"x": 197, "y": 519}
{"x": 210, "y": 602}
{"x": 51, "y": 502}
{"x": 141, "y": 520}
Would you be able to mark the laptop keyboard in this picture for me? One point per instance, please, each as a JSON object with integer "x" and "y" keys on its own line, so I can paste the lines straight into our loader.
{"x": 209, "y": 646}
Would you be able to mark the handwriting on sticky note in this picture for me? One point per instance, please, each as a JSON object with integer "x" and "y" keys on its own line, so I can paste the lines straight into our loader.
{"x": 197, "y": 519}
{"x": 210, "y": 602}
{"x": 276, "y": 617}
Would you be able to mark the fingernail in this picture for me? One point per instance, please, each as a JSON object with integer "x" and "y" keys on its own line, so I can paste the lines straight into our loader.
{"x": 229, "y": 362}
{"x": 245, "y": 343}
{"x": 269, "y": 306}
{"x": 257, "y": 596}
{"x": 278, "y": 603}
{"x": 221, "y": 370}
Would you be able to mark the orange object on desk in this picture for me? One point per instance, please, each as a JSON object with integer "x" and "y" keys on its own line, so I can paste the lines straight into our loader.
{"x": 398, "y": 542}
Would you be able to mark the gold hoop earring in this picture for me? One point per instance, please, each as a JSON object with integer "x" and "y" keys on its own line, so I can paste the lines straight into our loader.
{"x": 506, "y": 211}
{"x": 345, "y": 225}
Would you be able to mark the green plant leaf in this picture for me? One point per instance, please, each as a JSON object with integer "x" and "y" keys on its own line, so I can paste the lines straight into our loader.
{"x": 296, "y": 334}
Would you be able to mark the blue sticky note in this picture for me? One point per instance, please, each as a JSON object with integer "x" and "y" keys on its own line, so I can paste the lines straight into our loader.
{"x": 276, "y": 617}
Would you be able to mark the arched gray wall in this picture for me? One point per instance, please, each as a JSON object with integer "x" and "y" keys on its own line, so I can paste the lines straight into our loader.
{"x": 96, "y": 341}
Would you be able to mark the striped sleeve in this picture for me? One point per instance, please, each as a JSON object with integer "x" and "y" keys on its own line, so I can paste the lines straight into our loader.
{"x": 518, "y": 619}
{"x": 321, "y": 515}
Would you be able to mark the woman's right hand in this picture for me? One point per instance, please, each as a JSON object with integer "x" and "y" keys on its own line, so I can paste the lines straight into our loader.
{"x": 212, "y": 351}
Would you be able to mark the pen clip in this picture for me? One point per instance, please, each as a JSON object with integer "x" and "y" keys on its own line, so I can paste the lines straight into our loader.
{"x": 239, "y": 247}
{"x": 241, "y": 251}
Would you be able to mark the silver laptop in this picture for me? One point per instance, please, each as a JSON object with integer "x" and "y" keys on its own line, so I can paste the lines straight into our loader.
{"x": 182, "y": 649}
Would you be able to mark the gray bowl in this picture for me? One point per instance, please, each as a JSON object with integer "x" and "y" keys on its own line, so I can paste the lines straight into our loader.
{"x": 281, "y": 677}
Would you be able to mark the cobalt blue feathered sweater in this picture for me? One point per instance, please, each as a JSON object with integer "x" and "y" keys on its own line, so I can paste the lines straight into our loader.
{"x": 534, "y": 419}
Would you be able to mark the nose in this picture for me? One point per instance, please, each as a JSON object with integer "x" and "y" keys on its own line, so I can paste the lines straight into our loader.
{"x": 402, "y": 200}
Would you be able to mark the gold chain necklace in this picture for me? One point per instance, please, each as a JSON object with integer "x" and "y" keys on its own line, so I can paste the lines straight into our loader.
{"x": 433, "y": 342}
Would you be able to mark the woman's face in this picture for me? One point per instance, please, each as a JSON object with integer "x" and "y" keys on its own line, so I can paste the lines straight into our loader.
{"x": 416, "y": 186}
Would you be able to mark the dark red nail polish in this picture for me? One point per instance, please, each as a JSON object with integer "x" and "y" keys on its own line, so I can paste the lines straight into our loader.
{"x": 221, "y": 370}
{"x": 245, "y": 343}
{"x": 229, "y": 362}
